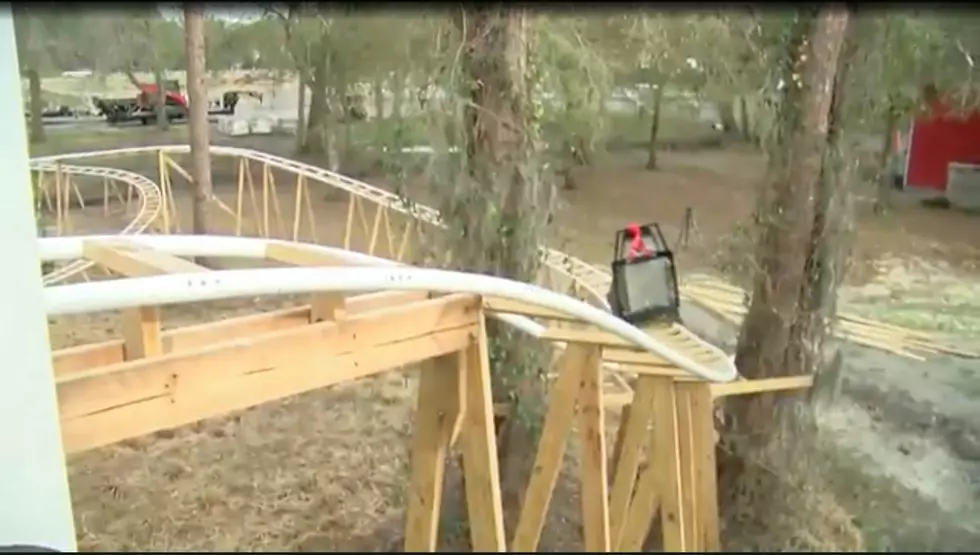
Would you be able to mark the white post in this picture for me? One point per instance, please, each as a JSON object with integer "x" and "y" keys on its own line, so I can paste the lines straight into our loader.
{"x": 35, "y": 507}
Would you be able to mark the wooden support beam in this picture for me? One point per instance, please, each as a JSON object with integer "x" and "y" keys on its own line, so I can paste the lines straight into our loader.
{"x": 634, "y": 432}
{"x": 659, "y": 482}
{"x": 593, "y": 464}
{"x": 692, "y": 350}
{"x": 298, "y": 255}
{"x": 85, "y": 357}
{"x": 142, "y": 336}
{"x": 551, "y": 448}
{"x": 764, "y": 385}
{"x": 324, "y": 306}
{"x": 698, "y": 440}
{"x": 510, "y": 306}
{"x": 435, "y": 418}
{"x": 106, "y": 405}
{"x": 479, "y": 447}
{"x": 131, "y": 261}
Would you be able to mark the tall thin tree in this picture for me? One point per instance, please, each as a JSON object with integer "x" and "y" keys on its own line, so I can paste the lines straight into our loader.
{"x": 197, "y": 93}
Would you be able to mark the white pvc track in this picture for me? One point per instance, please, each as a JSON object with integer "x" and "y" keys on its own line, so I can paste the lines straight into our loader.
{"x": 224, "y": 284}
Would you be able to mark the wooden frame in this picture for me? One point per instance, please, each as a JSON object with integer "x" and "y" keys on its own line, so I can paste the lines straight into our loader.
{"x": 144, "y": 382}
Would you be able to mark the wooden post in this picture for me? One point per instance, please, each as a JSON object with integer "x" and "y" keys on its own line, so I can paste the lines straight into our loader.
{"x": 594, "y": 479}
{"x": 551, "y": 448}
{"x": 436, "y": 415}
{"x": 479, "y": 447}
{"x": 697, "y": 448}
{"x": 141, "y": 332}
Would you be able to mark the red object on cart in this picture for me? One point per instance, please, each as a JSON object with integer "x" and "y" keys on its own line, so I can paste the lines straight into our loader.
{"x": 637, "y": 246}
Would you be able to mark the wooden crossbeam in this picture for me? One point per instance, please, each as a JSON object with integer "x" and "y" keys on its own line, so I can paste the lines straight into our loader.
{"x": 324, "y": 306}
{"x": 142, "y": 333}
{"x": 298, "y": 255}
{"x": 131, "y": 261}
{"x": 129, "y": 399}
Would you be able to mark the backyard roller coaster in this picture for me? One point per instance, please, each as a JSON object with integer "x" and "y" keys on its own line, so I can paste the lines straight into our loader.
{"x": 370, "y": 312}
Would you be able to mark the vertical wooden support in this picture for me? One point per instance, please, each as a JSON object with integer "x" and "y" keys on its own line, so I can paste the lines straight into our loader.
{"x": 240, "y": 197}
{"x": 699, "y": 477}
{"x": 252, "y": 197}
{"x": 349, "y": 224}
{"x": 594, "y": 492}
{"x": 376, "y": 228}
{"x": 58, "y": 201}
{"x": 327, "y": 307}
{"x": 479, "y": 447}
{"x": 270, "y": 178}
{"x": 141, "y": 332}
{"x": 298, "y": 205}
{"x": 435, "y": 419}
{"x": 265, "y": 201}
{"x": 635, "y": 439}
{"x": 685, "y": 450}
{"x": 659, "y": 482}
{"x": 310, "y": 213}
{"x": 411, "y": 229}
{"x": 617, "y": 454}
{"x": 105, "y": 196}
{"x": 162, "y": 175}
{"x": 551, "y": 448}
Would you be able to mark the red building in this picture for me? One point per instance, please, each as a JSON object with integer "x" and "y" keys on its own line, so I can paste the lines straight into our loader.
{"x": 937, "y": 138}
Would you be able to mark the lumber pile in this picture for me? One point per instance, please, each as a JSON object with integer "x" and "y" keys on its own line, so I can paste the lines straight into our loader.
{"x": 730, "y": 302}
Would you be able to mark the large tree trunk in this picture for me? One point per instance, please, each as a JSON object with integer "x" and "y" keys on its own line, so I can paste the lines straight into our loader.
{"x": 748, "y": 135}
{"x": 379, "y": 98}
{"x": 301, "y": 111}
{"x": 786, "y": 218}
{"x": 198, "y": 118}
{"x": 160, "y": 107}
{"x": 502, "y": 220}
{"x": 726, "y": 113}
{"x": 319, "y": 122}
{"x": 37, "y": 134}
{"x": 658, "y": 97}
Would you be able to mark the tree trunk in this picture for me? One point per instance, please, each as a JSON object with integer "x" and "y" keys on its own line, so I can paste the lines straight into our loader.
{"x": 37, "y": 134}
{"x": 830, "y": 237}
{"x": 786, "y": 218}
{"x": 397, "y": 94}
{"x": 884, "y": 175}
{"x": 379, "y": 98}
{"x": 746, "y": 127}
{"x": 133, "y": 80}
{"x": 197, "y": 94}
{"x": 658, "y": 96}
{"x": 726, "y": 113}
{"x": 160, "y": 107}
{"x": 301, "y": 111}
{"x": 319, "y": 123}
{"x": 503, "y": 219}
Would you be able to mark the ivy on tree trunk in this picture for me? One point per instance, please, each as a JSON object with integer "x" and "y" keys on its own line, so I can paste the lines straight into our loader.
{"x": 772, "y": 333}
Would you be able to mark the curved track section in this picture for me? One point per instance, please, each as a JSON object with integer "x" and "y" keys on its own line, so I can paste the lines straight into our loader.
{"x": 593, "y": 281}
{"x": 148, "y": 196}
{"x": 226, "y": 284}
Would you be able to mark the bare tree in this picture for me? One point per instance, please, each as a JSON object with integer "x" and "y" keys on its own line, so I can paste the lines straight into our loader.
{"x": 197, "y": 94}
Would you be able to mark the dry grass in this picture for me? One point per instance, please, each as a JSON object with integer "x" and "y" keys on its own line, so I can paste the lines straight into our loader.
{"x": 785, "y": 498}
{"x": 315, "y": 472}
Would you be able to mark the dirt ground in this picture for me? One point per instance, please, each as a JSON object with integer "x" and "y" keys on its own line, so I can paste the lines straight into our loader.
{"x": 326, "y": 471}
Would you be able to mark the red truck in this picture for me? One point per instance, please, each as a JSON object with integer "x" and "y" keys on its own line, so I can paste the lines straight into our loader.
{"x": 143, "y": 106}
